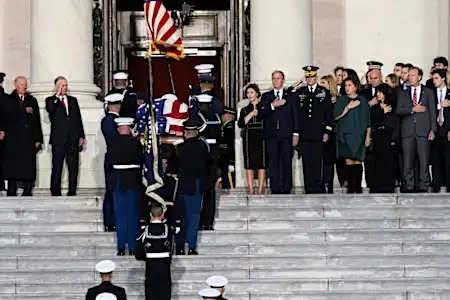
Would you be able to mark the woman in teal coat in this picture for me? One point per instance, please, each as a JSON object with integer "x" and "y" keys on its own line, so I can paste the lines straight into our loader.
{"x": 352, "y": 115}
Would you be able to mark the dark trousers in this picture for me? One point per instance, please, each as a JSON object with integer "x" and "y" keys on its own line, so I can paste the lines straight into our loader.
{"x": 208, "y": 211}
{"x": 440, "y": 163}
{"x": 108, "y": 209}
{"x": 415, "y": 148}
{"x": 386, "y": 157}
{"x": 328, "y": 177}
{"x": 369, "y": 168}
{"x": 71, "y": 155}
{"x": 126, "y": 211}
{"x": 27, "y": 188}
{"x": 158, "y": 280}
{"x": 312, "y": 155}
{"x": 280, "y": 152}
{"x": 190, "y": 206}
{"x": 228, "y": 178}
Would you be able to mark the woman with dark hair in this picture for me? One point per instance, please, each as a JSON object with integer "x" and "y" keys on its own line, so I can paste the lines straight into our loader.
{"x": 352, "y": 115}
{"x": 385, "y": 140}
{"x": 254, "y": 144}
{"x": 349, "y": 73}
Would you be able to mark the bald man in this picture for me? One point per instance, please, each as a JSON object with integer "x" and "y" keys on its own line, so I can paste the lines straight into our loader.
{"x": 23, "y": 138}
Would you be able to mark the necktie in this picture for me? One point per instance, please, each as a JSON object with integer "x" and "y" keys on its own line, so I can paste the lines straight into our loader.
{"x": 311, "y": 89}
{"x": 278, "y": 95}
{"x": 63, "y": 103}
{"x": 21, "y": 100}
{"x": 441, "y": 110}
{"x": 415, "y": 97}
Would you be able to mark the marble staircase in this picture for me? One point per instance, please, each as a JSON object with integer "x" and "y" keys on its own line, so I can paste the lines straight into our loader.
{"x": 290, "y": 247}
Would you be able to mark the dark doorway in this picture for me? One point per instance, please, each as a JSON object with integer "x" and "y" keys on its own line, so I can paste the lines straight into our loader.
{"x": 183, "y": 74}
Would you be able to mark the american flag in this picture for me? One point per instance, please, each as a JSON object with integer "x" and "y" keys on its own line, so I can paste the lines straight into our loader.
{"x": 161, "y": 30}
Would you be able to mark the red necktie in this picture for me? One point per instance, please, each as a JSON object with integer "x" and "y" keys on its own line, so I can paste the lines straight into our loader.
{"x": 21, "y": 100}
{"x": 63, "y": 103}
{"x": 415, "y": 97}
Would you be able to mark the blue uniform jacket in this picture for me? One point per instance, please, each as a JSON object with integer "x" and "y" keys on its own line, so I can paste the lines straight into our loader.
{"x": 109, "y": 131}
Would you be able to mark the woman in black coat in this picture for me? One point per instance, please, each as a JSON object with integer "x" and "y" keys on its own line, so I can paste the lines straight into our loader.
{"x": 385, "y": 140}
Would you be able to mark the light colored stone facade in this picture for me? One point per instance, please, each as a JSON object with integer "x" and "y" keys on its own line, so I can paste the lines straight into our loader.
{"x": 325, "y": 32}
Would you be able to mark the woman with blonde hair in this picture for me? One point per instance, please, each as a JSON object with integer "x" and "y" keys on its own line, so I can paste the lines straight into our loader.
{"x": 329, "y": 154}
{"x": 254, "y": 144}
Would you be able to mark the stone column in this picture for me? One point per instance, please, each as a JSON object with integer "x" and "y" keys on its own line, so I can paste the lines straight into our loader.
{"x": 281, "y": 39}
{"x": 61, "y": 45}
{"x": 3, "y": 52}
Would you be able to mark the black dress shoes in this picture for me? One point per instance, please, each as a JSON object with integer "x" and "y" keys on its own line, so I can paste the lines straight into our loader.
{"x": 120, "y": 252}
{"x": 71, "y": 193}
{"x": 192, "y": 252}
{"x": 180, "y": 252}
{"x": 131, "y": 253}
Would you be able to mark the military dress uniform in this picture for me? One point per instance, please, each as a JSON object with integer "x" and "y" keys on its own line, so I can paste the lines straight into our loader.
{"x": 226, "y": 158}
{"x": 156, "y": 244}
{"x": 106, "y": 267}
{"x": 205, "y": 76}
{"x": 194, "y": 178}
{"x": 130, "y": 99}
{"x": 126, "y": 158}
{"x": 209, "y": 294}
{"x": 109, "y": 131}
{"x": 315, "y": 117}
{"x": 211, "y": 131}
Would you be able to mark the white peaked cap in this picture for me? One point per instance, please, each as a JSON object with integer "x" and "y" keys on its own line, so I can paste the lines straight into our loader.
{"x": 120, "y": 75}
{"x": 209, "y": 293}
{"x": 106, "y": 296}
{"x": 105, "y": 266}
{"x": 170, "y": 97}
{"x": 114, "y": 98}
{"x": 205, "y": 71}
{"x": 204, "y": 98}
{"x": 122, "y": 121}
{"x": 217, "y": 281}
{"x": 201, "y": 67}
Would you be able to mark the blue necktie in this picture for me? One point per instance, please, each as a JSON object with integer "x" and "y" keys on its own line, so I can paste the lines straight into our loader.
{"x": 278, "y": 95}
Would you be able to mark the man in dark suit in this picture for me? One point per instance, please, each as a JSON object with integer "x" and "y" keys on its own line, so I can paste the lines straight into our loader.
{"x": 106, "y": 268}
{"x": 440, "y": 147}
{"x": 417, "y": 107}
{"x": 439, "y": 63}
{"x": 281, "y": 128}
{"x": 66, "y": 136}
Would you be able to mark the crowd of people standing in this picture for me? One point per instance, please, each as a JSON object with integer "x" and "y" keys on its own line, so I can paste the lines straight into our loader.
{"x": 396, "y": 127}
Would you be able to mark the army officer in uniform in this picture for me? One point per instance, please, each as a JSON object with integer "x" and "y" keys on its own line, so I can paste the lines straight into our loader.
{"x": 226, "y": 159}
{"x": 315, "y": 117}
{"x": 106, "y": 268}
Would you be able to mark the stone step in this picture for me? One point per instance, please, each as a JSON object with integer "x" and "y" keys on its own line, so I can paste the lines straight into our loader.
{"x": 248, "y": 236}
{"x": 370, "y": 295}
{"x": 266, "y": 248}
{"x": 248, "y": 285}
{"x": 232, "y": 273}
{"x": 246, "y": 212}
{"x": 239, "y": 200}
{"x": 245, "y": 261}
{"x": 301, "y": 224}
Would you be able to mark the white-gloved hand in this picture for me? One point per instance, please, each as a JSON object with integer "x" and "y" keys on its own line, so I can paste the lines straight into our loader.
{"x": 177, "y": 230}
{"x": 231, "y": 168}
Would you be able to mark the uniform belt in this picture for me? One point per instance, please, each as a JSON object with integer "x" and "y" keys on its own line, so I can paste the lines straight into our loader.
{"x": 125, "y": 167}
{"x": 213, "y": 122}
{"x": 211, "y": 141}
{"x": 158, "y": 255}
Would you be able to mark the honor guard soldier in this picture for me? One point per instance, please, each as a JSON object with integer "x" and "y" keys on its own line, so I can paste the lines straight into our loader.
{"x": 315, "y": 124}
{"x": 155, "y": 241}
{"x": 106, "y": 268}
{"x": 193, "y": 174}
{"x": 126, "y": 158}
{"x": 207, "y": 81}
{"x": 218, "y": 283}
{"x": 211, "y": 131}
{"x": 209, "y": 294}
{"x": 226, "y": 159}
{"x": 109, "y": 130}
{"x": 130, "y": 101}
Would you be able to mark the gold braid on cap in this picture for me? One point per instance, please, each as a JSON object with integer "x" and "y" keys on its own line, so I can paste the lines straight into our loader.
{"x": 310, "y": 73}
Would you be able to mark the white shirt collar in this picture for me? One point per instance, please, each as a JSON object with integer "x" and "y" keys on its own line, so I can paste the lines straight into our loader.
{"x": 314, "y": 86}
{"x": 114, "y": 113}
{"x": 156, "y": 221}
